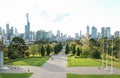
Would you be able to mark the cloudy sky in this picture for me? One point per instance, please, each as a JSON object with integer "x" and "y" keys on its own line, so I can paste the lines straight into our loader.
{"x": 68, "y": 16}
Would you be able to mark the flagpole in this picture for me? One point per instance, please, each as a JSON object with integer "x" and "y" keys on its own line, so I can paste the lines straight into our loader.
{"x": 111, "y": 69}
{"x": 103, "y": 55}
{"x": 106, "y": 57}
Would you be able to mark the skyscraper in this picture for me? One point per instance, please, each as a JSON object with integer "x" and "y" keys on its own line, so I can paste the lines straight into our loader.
{"x": 80, "y": 34}
{"x": 7, "y": 32}
{"x": 94, "y": 33}
{"x": 88, "y": 30}
{"x": 108, "y": 32}
{"x": 0, "y": 30}
{"x": 103, "y": 31}
{"x": 117, "y": 34}
{"x": 87, "y": 34}
{"x": 27, "y": 28}
{"x": 58, "y": 33}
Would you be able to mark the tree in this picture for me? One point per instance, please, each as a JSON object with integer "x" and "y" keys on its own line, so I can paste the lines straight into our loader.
{"x": 67, "y": 49}
{"x": 116, "y": 47}
{"x": 74, "y": 50}
{"x": 85, "y": 51}
{"x": 42, "y": 51}
{"x": 17, "y": 47}
{"x": 55, "y": 49}
{"x": 48, "y": 49}
{"x": 96, "y": 54}
{"x": 93, "y": 44}
{"x": 78, "y": 51}
{"x": 27, "y": 54}
{"x": 34, "y": 49}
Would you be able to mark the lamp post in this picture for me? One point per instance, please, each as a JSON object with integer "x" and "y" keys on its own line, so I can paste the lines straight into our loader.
{"x": 111, "y": 68}
{"x": 106, "y": 57}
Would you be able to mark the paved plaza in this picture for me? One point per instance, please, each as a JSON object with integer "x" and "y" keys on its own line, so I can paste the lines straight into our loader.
{"x": 56, "y": 67}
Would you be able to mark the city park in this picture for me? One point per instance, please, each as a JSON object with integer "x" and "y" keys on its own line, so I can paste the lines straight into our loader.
{"x": 69, "y": 59}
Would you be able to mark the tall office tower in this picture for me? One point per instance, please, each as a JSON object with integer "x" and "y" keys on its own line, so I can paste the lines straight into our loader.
{"x": 76, "y": 35}
{"x": 108, "y": 32}
{"x": 80, "y": 34}
{"x": 11, "y": 31}
{"x": 0, "y": 30}
{"x": 94, "y": 33}
{"x": 40, "y": 35}
{"x": 58, "y": 33}
{"x": 7, "y": 32}
{"x": 103, "y": 32}
{"x": 88, "y": 30}
{"x": 117, "y": 34}
{"x": 27, "y": 28}
{"x": 16, "y": 32}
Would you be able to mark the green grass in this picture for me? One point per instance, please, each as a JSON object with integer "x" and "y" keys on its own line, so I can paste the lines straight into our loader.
{"x": 76, "y": 62}
{"x": 33, "y": 61}
{"x": 15, "y": 75}
{"x": 92, "y": 76}
{"x": 116, "y": 63}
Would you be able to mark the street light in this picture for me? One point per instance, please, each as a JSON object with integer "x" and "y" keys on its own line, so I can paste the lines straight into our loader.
{"x": 111, "y": 69}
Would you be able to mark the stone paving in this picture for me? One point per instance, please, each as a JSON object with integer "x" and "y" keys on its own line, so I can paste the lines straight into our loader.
{"x": 56, "y": 67}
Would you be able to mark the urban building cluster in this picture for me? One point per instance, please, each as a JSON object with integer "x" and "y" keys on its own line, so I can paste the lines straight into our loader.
{"x": 31, "y": 36}
{"x": 105, "y": 32}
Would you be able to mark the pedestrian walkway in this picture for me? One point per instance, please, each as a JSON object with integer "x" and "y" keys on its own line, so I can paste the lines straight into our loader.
{"x": 53, "y": 68}
{"x": 91, "y": 70}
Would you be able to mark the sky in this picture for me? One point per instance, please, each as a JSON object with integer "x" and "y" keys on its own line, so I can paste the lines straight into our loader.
{"x": 68, "y": 16}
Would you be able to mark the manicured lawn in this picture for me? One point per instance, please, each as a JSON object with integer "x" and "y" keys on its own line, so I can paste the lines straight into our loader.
{"x": 36, "y": 61}
{"x": 116, "y": 63}
{"x": 92, "y": 76}
{"x": 76, "y": 62}
{"x": 15, "y": 75}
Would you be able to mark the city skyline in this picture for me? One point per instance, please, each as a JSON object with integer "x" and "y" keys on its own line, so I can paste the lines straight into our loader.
{"x": 68, "y": 16}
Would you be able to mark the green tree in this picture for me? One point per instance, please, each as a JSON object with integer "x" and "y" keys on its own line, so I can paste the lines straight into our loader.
{"x": 42, "y": 51}
{"x": 73, "y": 49}
{"x": 78, "y": 51}
{"x": 27, "y": 54}
{"x": 17, "y": 47}
{"x": 85, "y": 51}
{"x": 93, "y": 44}
{"x": 55, "y": 49}
{"x": 96, "y": 54}
{"x": 34, "y": 49}
{"x": 116, "y": 47}
{"x": 67, "y": 49}
{"x": 48, "y": 49}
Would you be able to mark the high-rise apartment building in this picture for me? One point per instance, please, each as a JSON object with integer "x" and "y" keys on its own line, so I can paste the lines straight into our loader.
{"x": 88, "y": 30}
{"x": 27, "y": 28}
{"x": 7, "y": 32}
{"x": 58, "y": 33}
{"x": 94, "y": 33}
{"x": 103, "y": 31}
{"x": 117, "y": 34}
{"x": 108, "y": 32}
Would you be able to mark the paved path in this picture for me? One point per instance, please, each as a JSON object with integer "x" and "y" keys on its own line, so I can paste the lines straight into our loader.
{"x": 53, "y": 68}
{"x": 91, "y": 70}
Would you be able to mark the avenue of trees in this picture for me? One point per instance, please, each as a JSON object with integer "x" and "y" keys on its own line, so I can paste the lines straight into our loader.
{"x": 93, "y": 48}
{"x": 19, "y": 49}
